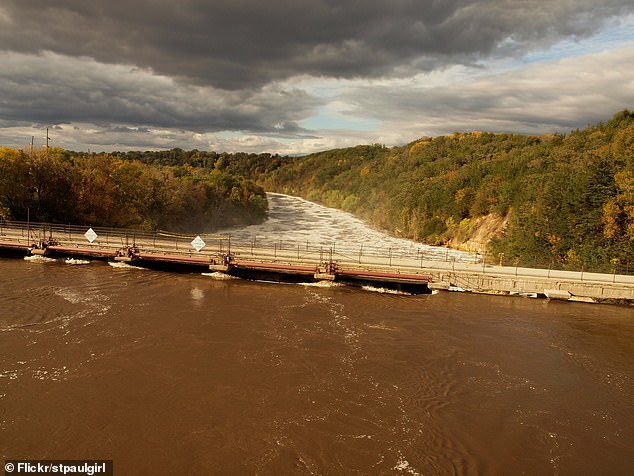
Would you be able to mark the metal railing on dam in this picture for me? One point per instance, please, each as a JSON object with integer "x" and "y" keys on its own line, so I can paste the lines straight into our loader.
{"x": 39, "y": 234}
{"x": 406, "y": 269}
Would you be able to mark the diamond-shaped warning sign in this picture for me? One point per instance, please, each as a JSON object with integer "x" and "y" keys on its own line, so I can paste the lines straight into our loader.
{"x": 91, "y": 235}
{"x": 198, "y": 243}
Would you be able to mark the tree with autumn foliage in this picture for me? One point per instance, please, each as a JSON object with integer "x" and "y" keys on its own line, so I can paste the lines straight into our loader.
{"x": 100, "y": 189}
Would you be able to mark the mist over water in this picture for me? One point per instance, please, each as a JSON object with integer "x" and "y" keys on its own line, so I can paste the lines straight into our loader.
{"x": 169, "y": 373}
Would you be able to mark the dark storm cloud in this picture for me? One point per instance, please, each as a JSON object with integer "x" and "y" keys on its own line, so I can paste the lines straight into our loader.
{"x": 237, "y": 44}
{"x": 51, "y": 89}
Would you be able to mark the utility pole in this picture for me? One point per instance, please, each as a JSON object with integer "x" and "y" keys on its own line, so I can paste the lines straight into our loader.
{"x": 47, "y": 139}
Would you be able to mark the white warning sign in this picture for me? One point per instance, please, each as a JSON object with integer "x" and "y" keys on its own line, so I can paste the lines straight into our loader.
{"x": 198, "y": 243}
{"x": 91, "y": 235}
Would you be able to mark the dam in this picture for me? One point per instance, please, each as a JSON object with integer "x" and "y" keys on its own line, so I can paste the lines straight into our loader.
{"x": 279, "y": 260}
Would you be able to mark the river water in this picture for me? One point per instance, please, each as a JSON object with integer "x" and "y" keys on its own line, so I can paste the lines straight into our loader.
{"x": 293, "y": 221}
{"x": 169, "y": 373}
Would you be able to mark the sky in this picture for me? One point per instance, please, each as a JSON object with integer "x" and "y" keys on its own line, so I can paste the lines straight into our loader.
{"x": 298, "y": 76}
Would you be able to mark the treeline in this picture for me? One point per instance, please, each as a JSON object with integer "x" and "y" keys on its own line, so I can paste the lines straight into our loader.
{"x": 568, "y": 199}
{"x": 240, "y": 163}
{"x": 109, "y": 190}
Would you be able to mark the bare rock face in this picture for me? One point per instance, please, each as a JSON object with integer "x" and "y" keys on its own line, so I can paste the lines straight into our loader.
{"x": 479, "y": 232}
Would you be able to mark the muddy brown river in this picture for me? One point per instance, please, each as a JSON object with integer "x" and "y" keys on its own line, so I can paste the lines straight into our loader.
{"x": 167, "y": 373}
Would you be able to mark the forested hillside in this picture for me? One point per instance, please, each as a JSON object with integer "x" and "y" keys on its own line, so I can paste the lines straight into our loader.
{"x": 101, "y": 189}
{"x": 567, "y": 200}
{"x": 556, "y": 200}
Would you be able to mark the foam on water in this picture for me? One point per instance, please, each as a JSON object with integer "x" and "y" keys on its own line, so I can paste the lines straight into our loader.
{"x": 40, "y": 259}
{"x": 295, "y": 221}
{"x": 122, "y": 265}
{"x": 219, "y": 276}
{"x": 323, "y": 284}
{"x": 403, "y": 466}
{"x": 374, "y": 289}
{"x": 75, "y": 261}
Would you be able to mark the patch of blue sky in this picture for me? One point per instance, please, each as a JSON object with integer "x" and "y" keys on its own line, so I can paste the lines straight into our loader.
{"x": 328, "y": 120}
{"x": 619, "y": 34}
{"x": 228, "y": 134}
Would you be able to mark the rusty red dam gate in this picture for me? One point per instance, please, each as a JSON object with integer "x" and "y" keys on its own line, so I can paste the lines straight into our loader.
{"x": 414, "y": 270}
{"x": 259, "y": 258}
